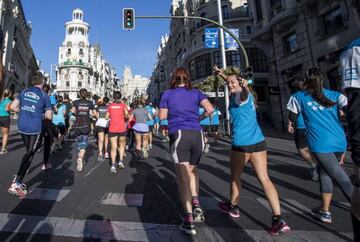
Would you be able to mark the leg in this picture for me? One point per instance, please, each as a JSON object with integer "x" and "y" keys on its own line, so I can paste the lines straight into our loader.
{"x": 238, "y": 161}
{"x": 101, "y": 137}
{"x": 47, "y": 147}
{"x": 122, "y": 143}
{"x": 5, "y": 133}
{"x": 145, "y": 138}
{"x": 106, "y": 138}
{"x": 114, "y": 146}
{"x": 138, "y": 141}
{"x": 182, "y": 173}
{"x": 306, "y": 155}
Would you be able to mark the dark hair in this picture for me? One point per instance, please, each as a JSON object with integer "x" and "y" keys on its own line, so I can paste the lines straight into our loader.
{"x": 83, "y": 93}
{"x": 66, "y": 96}
{"x": 314, "y": 86}
{"x": 36, "y": 78}
{"x": 46, "y": 88}
{"x": 180, "y": 76}
{"x": 117, "y": 95}
{"x": 298, "y": 84}
{"x": 105, "y": 100}
{"x": 59, "y": 100}
{"x": 356, "y": 5}
{"x": 124, "y": 99}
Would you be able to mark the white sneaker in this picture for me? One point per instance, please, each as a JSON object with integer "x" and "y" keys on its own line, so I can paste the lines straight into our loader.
{"x": 113, "y": 169}
{"x": 206, "y": 148}
{"x": 18, "y": 189}
{"x": 145, "y": 153}
{"x": 80, "y": 164}
{"x": 45, "y": 167}
{"x": 121, "y": 165}
{"x": 150, "y": 146}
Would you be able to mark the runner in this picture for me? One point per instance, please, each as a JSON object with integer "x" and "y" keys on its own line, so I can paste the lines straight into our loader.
{"x": 150, "y": 122}
{"x": 205, "y": 125}
{"x": 156, "y": 121}
{"x": 248, "y": 144}
{"x": 67, "y": 104}
{"x": 5, "y": 119}
{"x": 141, "y": 129}
{"x": 31, "y": 104}
{"x": 164, "y": 130}
{"x": 59, "y": 122}
{"x": 181, "y": 105}
{"x": 326, "y": 136}
{"x": 301, "y": 137}
{"x": 117, "y": 113}
{"x": 82, "y": 109}
{"x": 102, "y": 128}
{"x": 130, "y": 131}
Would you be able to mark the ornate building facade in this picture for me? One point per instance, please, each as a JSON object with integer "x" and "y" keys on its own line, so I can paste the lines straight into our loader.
{"x": 133, "y": 87}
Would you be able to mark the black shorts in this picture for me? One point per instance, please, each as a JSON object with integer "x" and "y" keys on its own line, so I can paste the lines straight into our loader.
{"x": 5, "y": 121}
{"x": 206, "y": 128}
{"x": 187, "y": 146}
{"x": 123, "y": 134}
{"x": 102, "y": 129}
{"x": 164, "y": 127}
{"x": 301, "y": 139}
{"x": 258, "y": 147}
{"x": 214, "y": 128}
{"x": 60, "y": 129}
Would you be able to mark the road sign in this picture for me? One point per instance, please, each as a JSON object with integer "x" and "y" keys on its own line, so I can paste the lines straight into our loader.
{"x": 211, "y": 37}
{"x": 128, "y": 18}
{"x": 230, "y": 42}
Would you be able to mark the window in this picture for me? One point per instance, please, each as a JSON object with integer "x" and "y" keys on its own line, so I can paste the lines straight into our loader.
{"x": 225, "y": 12}
{"x": 81, "y": 44}
{"x": 291, "y": 44}
{"x": 81, "y": 52}
{"x": 67, "y": 84}
{"x": 80, "y": 75}
{"x": 232, "y": 58}
{"x": 68, "y": 51}
{"x": 79, "y": 84}
{"x": 259, "y": 15}
{"x": 217, "y": 58}
{"x": 248, "y": 29}
{"x": 69, "y": 44}
{"x": 81, "y": 31}
{"x": 203, "y": 66}
{"x": 332, "y": 21}
{"x": 257, "y": 59}
{"x": 260, "y": 93}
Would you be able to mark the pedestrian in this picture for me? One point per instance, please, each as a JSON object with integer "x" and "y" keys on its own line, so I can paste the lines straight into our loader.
{"x": 130, "y": 131}
{"x": 31, "y": 105}
{"x": 59, "y": 122}
{"x": 82, "y": 109}
{"x": 67, "y": 104}
{"x": 350, "y": 69}
{"x": 141, "y": 128}
{"x": 205, "y": 125}
{"x": 298, "y": 129}
{"x": 164, "y": 130}
{"x": 102, "y": 128}
{"x": 326, "y": 137}
{"x": 150, "y": 122}
{"x": 180, "y": 105}
{"x": 248, "y": 144}
{"x": 156, "y": 121}
{"x": 117, "y": 113}
{"x": 5, "y": 119}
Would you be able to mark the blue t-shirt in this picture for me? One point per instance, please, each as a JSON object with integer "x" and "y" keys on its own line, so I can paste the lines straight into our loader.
{"x": 323, "y": 127}
{"x": 33, "y": 104}
{"x": 215, "y": 117}
{"x": 183, "y": 108}
{"x": 151, "y": 110}
{"x": 164, "y": 122}
{"x": 3, "y": 104}
{"x": 205, "y": 121}
{"x": 59, "y": 118}
{"x": 245, "y": 128}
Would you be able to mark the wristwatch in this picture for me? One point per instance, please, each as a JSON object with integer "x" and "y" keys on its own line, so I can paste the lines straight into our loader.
{"x": 355, "y": 180}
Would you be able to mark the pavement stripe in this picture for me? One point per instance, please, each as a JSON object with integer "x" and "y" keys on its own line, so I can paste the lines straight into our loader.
{"x": 47, "y": 194}
{"x": 132, "y": 231}
{"x": 122, "y": 199}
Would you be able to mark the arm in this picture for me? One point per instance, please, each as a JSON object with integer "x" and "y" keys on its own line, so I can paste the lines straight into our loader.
{"x": 7, "y": 108}
{"x": 73, "y": 110}
{"x": 107, "y": 115}
{"x": 15, "y": 106}
{"x": 208, "y": 108}
{"x": 163, "y": 113}
{"x": 126, "y": 113}
{"x": 48, "y": 114}
{"x": 290, "y": 126}
{"x": 218, "y": 72}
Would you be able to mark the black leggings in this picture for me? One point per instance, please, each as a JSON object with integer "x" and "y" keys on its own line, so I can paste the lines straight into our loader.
{"x": 32, "y": 143}
{"x": 49, "y": 134}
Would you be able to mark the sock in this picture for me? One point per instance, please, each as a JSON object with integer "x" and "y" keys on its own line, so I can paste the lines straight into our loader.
{"x": 188, "y": 218}
{"x": 276, "y": 219}
{"x": 195, "y": 201}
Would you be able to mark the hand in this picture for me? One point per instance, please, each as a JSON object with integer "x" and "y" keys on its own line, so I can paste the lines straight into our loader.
{"x": 355, "y": 202}
{"x": 243, "y": 82}
{"x": 217, "y": 70}
{"x": 291, "y": 129}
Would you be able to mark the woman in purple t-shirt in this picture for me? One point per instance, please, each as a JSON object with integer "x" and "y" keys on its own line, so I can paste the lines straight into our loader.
{"x": 180, "y": 105}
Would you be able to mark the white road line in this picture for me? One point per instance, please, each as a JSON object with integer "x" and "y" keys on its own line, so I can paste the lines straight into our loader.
{"x": 122, "y": 199}
{"x": 94, "y": 168}
{"x": 47, "y": 194}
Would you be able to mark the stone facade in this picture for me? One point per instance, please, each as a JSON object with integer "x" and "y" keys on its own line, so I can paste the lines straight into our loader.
{"x": 18, "y": 56}
{"x": 82, "y": 65}
{"x": 133, "y": 87}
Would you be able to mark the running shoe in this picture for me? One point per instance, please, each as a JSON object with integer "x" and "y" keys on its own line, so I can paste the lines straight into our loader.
{"x": 113, "y": 169}
{"x": 127, "y": 147}
{"x": 145, "y": 152}
{"x": 167, "y": 138}
{"x": 45, "y": 167}
{"x": 106, "y": 155}
{"x": 121, "y": 165}
{"x": 188, "y": 228}
{"x": 80, "y": 164}
{"x": 230, "y": 209}
{"x": 101, "y": 157}
{"x": 164, "y": 140}
{"x": 207, "y": 148}
{"x": 279, "y": 227}
{"x": 198, "y": 214}
{"x": 150, "y": 146}
{"x": 3, "y": 151}
{"x": 314, "y": 174}
{"x": 18, "y": 189}
{"x": 322, "y": 215}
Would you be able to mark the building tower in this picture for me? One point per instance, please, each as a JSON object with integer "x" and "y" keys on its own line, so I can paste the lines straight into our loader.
{"x": 74, "y": 68}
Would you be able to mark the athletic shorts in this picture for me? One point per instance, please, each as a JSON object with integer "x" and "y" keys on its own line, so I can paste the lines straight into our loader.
{"x": 122, "y": 134}
{"x": 258, "y": 147}
{"x": 5, "y": 121}
{"x": 67, "y": 122}
{"x": 151, "y": 128}
{"x": 214, "y": 128}
{"x": 164, "y": 127}
{"x": 102, "y": 129}
{"x": 187, "y": 146}
{"x": 300, "y": 139}
{"x": 60, "y": 129}
{"x": 82, "y": 141}
{"x": 206, "y": 128}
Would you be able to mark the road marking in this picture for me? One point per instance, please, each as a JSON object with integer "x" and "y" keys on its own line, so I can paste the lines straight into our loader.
{"x": 133, "y": 231}
{"x": 47, "y": 194}
{"x": 94, "y": 168}
{"x": 122, "y": 199}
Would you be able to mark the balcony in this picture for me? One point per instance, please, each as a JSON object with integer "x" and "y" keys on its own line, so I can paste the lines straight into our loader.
{"x": 76, "y": 64}
{"x": 226, "y": 17}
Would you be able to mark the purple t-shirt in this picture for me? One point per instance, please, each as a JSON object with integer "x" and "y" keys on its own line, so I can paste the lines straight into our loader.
{"x": 183, "y": 108}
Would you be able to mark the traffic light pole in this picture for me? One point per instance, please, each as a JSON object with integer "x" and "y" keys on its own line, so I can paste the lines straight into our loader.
{"x": 246, "y": 59}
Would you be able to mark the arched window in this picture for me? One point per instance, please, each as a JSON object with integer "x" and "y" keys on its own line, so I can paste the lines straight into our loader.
{"x": 80, "y": 75}
{"x": 67, "y": 84}
{"x": 81, "y": 52}
{"x": 79, "y": 84}
{"x": 69, "y": 44}
{"x": 257, "y": 59}
{"x": 81, "y": 44}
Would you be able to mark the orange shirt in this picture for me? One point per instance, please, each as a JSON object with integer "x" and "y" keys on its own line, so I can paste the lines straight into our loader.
{"x": 117, "y": 117}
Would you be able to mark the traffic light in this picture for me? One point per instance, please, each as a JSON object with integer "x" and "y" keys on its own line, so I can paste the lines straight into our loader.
{"x": 128, "y": 18}
{"x": 250, "y": 75}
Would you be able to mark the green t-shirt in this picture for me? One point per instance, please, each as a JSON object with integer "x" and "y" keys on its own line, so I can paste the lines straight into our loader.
{"x": 3, "y": 105}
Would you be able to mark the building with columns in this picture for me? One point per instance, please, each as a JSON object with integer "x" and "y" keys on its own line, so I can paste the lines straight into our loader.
{"x": 18, "y": 56}
{"x": 132, "y": 87}
{"x": 82, "y": 65}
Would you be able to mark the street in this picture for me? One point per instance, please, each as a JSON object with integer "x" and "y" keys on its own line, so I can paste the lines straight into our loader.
{"x": 141, "y": 203}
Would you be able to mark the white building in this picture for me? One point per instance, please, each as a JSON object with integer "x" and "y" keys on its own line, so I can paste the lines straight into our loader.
{"x": 133, "y": 87}
{"x": 82, "y": 65}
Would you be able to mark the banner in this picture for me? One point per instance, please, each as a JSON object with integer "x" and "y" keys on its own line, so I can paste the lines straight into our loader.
{"x": 211, "y": 37}
{"x": 230, "y": 42}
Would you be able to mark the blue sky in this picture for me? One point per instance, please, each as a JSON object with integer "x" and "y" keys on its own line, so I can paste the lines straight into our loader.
{"x": 135, "y": 48}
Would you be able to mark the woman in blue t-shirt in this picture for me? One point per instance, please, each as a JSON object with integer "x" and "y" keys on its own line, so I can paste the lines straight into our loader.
{"x": 248, "y": 144}
{"x": 326, "y": 137}
{"x": 5, "y": 119}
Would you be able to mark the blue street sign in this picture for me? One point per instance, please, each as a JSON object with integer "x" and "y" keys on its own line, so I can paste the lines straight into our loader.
{"x": 211, "y": 37}
{"x": 230, "y": 42}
